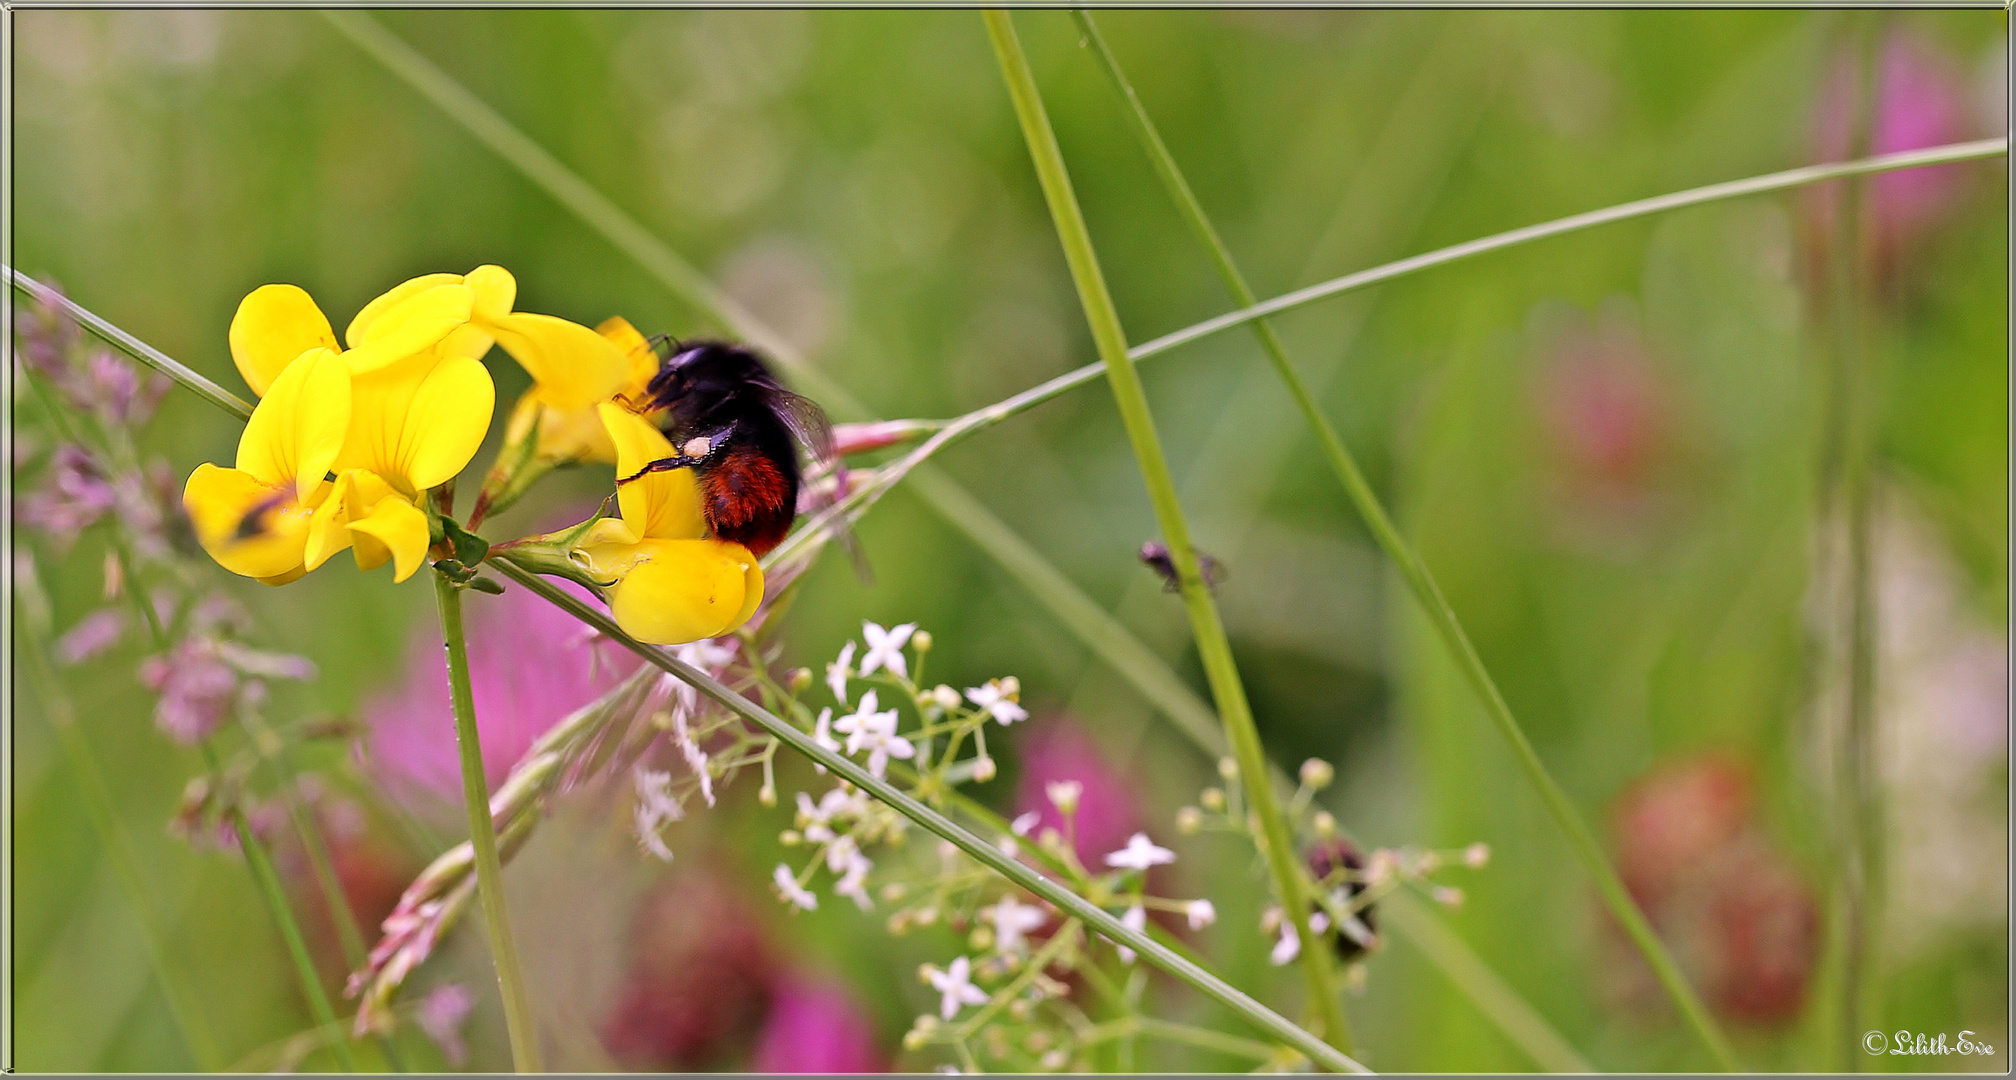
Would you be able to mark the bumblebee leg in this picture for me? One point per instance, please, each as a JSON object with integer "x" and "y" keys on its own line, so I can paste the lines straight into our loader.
{"x": 665, "y": 464}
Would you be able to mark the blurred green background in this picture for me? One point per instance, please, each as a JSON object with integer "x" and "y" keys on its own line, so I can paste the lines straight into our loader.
{"x": 1607, "y": 446}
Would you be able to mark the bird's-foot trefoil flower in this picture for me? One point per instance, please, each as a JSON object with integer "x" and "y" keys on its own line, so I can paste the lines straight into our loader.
{"x": 666, "y": 580}
{"x": 404, "y": 408}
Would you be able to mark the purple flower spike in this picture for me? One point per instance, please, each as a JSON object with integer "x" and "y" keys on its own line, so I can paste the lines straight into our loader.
{"x": 196, "y": 687}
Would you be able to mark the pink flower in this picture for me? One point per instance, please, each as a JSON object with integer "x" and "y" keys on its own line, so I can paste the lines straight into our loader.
{"x": 196, "y": 686}
{"x": 699, "y": 977}
{"x": 1059, "y": 750}
{"x": 529, "y": 666}
{"x": 815, "y": 1027}
{"x": 1921, "y": 100}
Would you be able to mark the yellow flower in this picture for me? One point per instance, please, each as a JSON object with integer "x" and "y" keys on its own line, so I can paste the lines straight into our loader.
{"x": 255, "y": 519}
{"x": 673, "y": 583}
{"x": 402, "y": 410}
{"x": 562, "y": 400}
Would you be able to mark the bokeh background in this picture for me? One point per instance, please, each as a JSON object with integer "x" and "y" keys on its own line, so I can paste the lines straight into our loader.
{"x": 1609, "y": 447}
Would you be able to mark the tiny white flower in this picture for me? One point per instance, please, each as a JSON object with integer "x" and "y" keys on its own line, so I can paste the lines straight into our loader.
{"x": 1024, "y": 822}
{"x": 955, "y": 988}
{"x": 822, "y": 733}
{"x": 1064, "y": 795}
{"x": 794, "y": 894}
{"x": 1290, "y": 945}
{"x": 647, "y": 834}
{"x": 875, "y": 732}
{"x": 1200, "y": 913}
{"x": 696, "y": 759}
{"x": 1012, "y": 921}
{"x": 996, "y": 702}
{"x": 654, "y": 793}
{"x": 1136, "y": 919}
{"x": 1140, "y": 854}
{"x": 885, "y": 649}
{"x": 853, "y": 883}
{"x": 838, "y": 671}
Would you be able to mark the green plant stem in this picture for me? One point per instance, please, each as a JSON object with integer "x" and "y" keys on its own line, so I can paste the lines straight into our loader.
{"x": 261, "y": 865}
{"x": 169, "y": 971}
{"x": 1202, "y": 1038}
{"x": 1214, "y": 648}
{"x": 482, "y": 834}
{"x": 979, "y": 850}
{"x": 1414, "y": 570}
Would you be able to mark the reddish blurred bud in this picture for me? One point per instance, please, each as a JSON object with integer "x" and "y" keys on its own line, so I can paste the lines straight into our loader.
{"x": 700, "y": 975}
{"x": 1336, "y": 865}
{"x": 1740, "y": 922}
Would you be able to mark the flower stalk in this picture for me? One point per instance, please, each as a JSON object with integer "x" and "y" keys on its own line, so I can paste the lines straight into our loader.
{"x": 1213, "y": 647}
{"x": 261, "y": 865}
{"x": 482, "y": 836}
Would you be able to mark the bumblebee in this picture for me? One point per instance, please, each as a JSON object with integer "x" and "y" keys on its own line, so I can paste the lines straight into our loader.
{"x": 740, "y": 431}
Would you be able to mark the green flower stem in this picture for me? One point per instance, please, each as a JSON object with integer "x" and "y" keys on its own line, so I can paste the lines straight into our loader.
{"x": 1202, "y": 1038}
{"x": 1213, "y": 647}
{"x": 169, "y": 971}
{"x": 1426, "y": 591}
{"x": 979, "y": 850}
{"x": 482, "y": 834}
{"x": 261, "y": 865}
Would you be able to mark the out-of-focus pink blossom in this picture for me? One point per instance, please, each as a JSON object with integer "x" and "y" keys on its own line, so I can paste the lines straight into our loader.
{"x": 74, "y": 495}
{"x": 815, "y": 1027}
{"x": 196, "y": 686}
{"x": 1921, "y": 100}
{"x": 529, "y": 666}
{"x": 1742, "y": 924}
{"x": 1108, "y": 813}
{"x": 92, "y": 635}
{"x": 441, "y": 1014}
{"x": 1603, "y": 406}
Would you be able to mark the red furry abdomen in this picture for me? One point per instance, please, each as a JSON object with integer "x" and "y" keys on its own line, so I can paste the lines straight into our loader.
{"x": 749, "y": 500}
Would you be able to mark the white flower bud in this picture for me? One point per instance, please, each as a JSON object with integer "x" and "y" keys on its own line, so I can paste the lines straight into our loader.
{"x": 1212, "y": 799}
{"x": 1189, "y": 820}
{"x": 1477, "y": 855}
{"x": 798, "y": 680}
{"x": 921, "y": 641}
{"x": 1317, "y": 774}
{"x": 1324, "y": 824}
{"x": 1228, "y": 769}
{"x": 945, "y": 697}
{"x": 983, "y": 769}
{"x": 1447, "y": 896}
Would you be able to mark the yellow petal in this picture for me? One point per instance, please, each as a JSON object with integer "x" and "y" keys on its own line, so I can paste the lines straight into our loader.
{"x": 636, "y": 348}
{"x": 574, "y": 366}
{"x": 568, "y": 435}
{"x": 495, "y": 289}
{"x": 328, "y": 527}
{"x": 678, "y": 591}
{"x": 610, "y": 547}
{"x": 249, "y": 527}
{"x": 297, "y": 430}
{"x": 275, "y": 324}
{"x": 418, "y": 422}
{"x": 353, "y": 334}
{"x": 661, "y": 504}
{"x": 413, "y": 325}
{"x": 393, "y": 526}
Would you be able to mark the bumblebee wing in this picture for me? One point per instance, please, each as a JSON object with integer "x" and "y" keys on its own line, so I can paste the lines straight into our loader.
{"x": 807, "y": 422}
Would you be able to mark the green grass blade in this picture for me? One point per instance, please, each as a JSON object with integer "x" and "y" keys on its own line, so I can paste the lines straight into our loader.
{"x": 1416, "y": 573}
{"x": 1214, "y": 648}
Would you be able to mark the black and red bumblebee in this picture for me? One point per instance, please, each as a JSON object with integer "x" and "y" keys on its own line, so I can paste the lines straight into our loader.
{"x": 740, "y": 431}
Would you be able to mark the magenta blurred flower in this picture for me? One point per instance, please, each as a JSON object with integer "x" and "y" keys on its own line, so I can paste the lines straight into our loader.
{"x": 1603, "y": 406}
{"x": 530, "y": 664}
{"x": 1921, "y": 100}
{"x": 74, "y": 494}
{"x": 93, "y": 634}
{"x": 815, "y": 1027}
{"x": 196, "y": 686}
{"x": 441, "y": 1015}
{"x": 1058, "y": 750}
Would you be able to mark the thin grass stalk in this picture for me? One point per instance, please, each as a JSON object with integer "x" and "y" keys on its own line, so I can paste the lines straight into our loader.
{"x": 169, "y": 972}
{"x": 1496, "y": 1000}
{"x": 1414, "y": 570}
{"x": 1213, "y": 647}
{"x": 482, "y": 833}
{"x": 261, "y": 865}
{"x": 1847, "y": 493}
{"x": 979, "y": 850}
